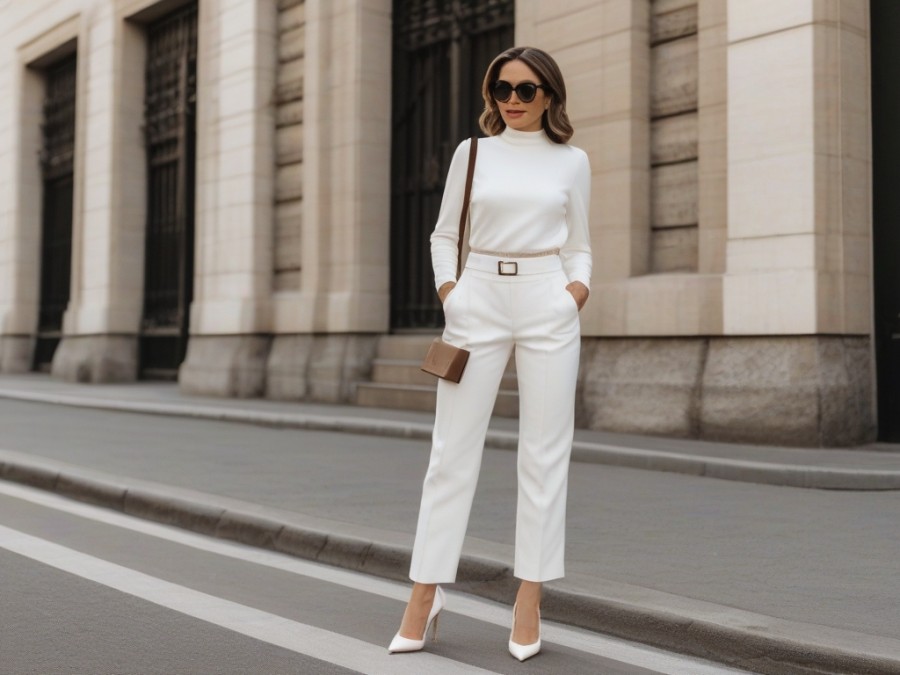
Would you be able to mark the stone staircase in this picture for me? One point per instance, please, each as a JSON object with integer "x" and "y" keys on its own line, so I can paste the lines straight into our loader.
{"x": 398, "y": 383}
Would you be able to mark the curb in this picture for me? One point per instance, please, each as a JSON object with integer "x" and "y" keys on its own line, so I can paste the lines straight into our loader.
{"x": 746, "y": 471}
{"x": 754, "y": 642}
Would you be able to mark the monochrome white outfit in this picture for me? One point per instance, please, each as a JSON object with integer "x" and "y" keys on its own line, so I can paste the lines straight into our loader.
{"x": 529, "y": 195}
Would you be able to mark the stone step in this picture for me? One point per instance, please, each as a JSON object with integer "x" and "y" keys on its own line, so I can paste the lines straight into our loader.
{"x": 397, "y": 381}
{"x": 420, "y": 397}
{"x": 402, "y": 371}
{"x": 400, "y": 347}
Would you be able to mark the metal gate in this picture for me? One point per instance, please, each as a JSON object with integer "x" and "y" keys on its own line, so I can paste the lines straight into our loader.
{"x": 885, "y": 17}
{"x": 441, "y": 50}
{"x": 171, "y": 95}
{"x": 57, "y": 167}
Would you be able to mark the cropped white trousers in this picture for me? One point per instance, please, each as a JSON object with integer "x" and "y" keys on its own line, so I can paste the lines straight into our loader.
{"x": 490, "y": 315}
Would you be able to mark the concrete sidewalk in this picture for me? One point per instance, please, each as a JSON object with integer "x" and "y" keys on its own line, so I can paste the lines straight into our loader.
{"x": 871, "y": 467}
{"x": 769, "y": 578}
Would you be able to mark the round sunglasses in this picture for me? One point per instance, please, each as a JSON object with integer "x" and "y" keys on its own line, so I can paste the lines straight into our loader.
{"x": 502, "y": 91}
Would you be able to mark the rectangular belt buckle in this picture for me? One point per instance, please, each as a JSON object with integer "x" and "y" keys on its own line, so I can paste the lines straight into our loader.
{"x": 502, "y": 267}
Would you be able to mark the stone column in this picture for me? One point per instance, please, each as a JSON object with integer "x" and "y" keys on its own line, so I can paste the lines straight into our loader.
{"x": 20, "y": 220}
{"x": 602, "y": 49}
{"x": 326, "y": 328}
{"x": 798, "y": 228}
{"x": 101, "y": 324}
{"x": 231, "y": 315}
{"x": 29, "y": 46}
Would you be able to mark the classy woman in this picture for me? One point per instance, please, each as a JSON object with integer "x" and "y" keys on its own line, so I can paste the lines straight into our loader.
{"x": 526, "y": 279}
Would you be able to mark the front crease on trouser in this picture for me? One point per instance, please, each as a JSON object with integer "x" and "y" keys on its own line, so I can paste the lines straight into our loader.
{"x": 490, "y": 315}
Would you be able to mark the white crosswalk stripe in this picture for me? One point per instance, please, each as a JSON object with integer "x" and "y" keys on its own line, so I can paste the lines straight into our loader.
{"x": 461, "y": 604}
{"x": 298, "y": 637}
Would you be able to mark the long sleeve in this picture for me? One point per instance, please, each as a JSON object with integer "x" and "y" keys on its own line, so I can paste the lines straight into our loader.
{"x": 445, "y": 238}
{"x": 576, "y": 252}
{"x": 529, "y": 195}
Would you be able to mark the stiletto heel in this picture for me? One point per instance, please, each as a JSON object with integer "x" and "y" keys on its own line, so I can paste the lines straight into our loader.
{"x": 434, "y": 625}
{"x": 523, "y": 652}
{"x": 402, "y": 644}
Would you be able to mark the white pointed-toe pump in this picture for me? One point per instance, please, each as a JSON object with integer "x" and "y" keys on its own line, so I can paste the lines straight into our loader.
{"x": 523, "y": 652}
{"x": 402, "y": 644}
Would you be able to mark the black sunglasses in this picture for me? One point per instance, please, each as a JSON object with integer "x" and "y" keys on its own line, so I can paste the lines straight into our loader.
{"x": 502, "y": 91}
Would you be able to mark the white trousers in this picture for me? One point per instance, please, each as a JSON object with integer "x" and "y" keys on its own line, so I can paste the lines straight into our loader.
{"x": 490, "y": 315}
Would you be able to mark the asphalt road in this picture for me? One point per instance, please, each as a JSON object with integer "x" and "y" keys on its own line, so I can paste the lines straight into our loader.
{"x": 88, "y": 590}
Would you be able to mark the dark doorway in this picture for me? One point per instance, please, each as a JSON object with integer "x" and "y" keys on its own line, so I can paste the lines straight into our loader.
{"x": 169, "y": 122}
{"x": 441, "y": 50}
{"x": 57, "y": 169}
{"x": 885, "y": 18}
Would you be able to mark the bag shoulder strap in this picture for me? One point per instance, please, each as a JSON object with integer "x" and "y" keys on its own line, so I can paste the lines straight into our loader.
{"x": 473, "y": 151}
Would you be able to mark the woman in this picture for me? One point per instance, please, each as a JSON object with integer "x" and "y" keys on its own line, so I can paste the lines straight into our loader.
{"x": 526, "y": 278}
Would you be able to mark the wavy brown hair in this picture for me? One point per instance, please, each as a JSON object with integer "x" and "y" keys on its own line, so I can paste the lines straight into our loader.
{"x": 555, "y": 120}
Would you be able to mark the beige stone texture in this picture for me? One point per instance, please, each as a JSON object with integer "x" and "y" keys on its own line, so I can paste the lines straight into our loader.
{"x": 336, "y": 363}
{"x": 672, "y": 19}
{"x": 662, "y": 7}
{"x": 236, "y": 177}
{"x": 783, "y": 117}
{"x": 109, "y": 212}
{"x": 810, "y": 235}
{"x": 655, "y": 305}
{"x": 644, "y": 385}
{"x": 763, "y": 254}
{"x": 32, "y": 36}
{"x": 807, "y": 391}
{"x": 674, "y": 304}
{"x": 225, "y": 365}
{"x": 772, "y": 196}
{"x": 288, "y": 225}
{"x": 747, "y": 20}
{"x": 22, "y": 221}
{"x": 674, "y": 77}
{"x": 287, "y": 366}
{"x": 779, "y": 302}
{"x": 16, "y": 353}
{"x": 793, "y": 390}
{"x": 549, "y": 25}
{"x": 673, "y": 190}
{"x": 674, "y": 139}
{"x": 96, "y": 358}
{"x": 674, "y": 249}
{"x": 607, "y": 74}
{"x": 712, "y": 162}
{"x": 345, "y": 207}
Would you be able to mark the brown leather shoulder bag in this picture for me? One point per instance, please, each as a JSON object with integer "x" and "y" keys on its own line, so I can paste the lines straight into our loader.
{"x": 443, "y": 359}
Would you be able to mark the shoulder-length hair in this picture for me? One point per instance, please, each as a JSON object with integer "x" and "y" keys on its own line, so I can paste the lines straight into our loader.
{"x": 555, "y": 120}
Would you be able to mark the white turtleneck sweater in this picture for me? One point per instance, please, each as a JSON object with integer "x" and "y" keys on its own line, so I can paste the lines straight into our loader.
{"x": 529, "y": 194}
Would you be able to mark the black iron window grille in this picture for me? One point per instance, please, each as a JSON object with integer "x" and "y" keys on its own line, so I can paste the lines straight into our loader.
{"x": 57, "y": 170}
{"x": 169, "y": 134}
{"x": 441, "y": 50}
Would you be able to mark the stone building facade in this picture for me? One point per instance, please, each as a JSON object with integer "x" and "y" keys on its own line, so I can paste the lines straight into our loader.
{"x": 732, "y": 207}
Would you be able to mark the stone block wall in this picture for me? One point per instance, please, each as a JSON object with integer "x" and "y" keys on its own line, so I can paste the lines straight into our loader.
{"x": 674, "y": 96}
{"x": 289, "y": 141}
{"x": 793, "y": 390}
{"x": 729, "y": 143}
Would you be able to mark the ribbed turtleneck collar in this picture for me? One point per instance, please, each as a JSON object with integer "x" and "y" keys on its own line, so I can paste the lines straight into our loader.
{"x": 524, "y": 137}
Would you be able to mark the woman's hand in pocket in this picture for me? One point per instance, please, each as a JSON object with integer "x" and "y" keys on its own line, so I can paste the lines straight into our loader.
{"x": 445, "y": 289}
{"x": 579, "y": 291}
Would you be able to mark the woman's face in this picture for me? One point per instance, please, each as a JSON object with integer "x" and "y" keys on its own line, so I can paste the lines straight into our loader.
{"x": 515, "y": 113}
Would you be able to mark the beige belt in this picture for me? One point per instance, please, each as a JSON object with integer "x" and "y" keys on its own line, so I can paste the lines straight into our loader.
{"x": 512, "y": 266}
{"x": 507, "y": 254}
